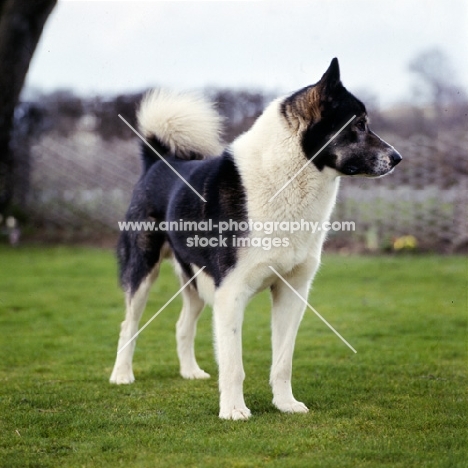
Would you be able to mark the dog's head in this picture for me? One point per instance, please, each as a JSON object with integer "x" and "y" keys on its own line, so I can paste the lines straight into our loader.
{"x": 319, "y": 111}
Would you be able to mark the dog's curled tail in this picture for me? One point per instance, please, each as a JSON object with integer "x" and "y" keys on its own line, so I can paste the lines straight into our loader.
{"x": 179, "y": 123}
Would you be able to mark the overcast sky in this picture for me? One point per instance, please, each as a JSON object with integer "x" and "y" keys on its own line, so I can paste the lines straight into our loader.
{"x": 118, "y": 46}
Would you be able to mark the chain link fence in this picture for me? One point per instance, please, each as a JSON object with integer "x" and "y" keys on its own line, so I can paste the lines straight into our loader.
{"x": 77, "y": 163}
{"x": 426, "y": 197}
{"x": 82, "y": 184}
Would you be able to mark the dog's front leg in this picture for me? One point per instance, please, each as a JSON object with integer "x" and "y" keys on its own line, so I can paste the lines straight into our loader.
{"x": 287, "y": 314}
{"x": 228, "y": 314}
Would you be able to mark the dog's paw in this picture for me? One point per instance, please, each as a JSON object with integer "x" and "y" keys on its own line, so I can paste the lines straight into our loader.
{"x": 293, "y": 406}
{"x": 194, "y": 374}
{"x": 235, "y": 414}
{"x": 120, "y": 377}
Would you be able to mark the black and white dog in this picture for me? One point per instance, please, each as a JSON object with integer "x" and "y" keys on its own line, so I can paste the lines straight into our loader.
{"x": 240, "y": 184}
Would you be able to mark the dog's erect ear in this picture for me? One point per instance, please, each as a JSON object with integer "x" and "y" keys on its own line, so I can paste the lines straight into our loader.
{"x": 331, "y": 78}
{"x": 306, "y": 105}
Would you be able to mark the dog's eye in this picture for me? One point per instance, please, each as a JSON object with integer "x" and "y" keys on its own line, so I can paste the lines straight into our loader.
{"x": 361, "y": 125}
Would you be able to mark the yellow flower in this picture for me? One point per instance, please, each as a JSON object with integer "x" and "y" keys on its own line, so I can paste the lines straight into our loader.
{"x": 405, "y": 242}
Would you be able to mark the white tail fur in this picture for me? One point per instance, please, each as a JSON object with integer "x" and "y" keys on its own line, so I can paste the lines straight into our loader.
{"x": 184, "y": 122}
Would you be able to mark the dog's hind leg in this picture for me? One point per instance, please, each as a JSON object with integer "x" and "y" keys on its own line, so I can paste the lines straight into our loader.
{"x": 287, "y": 314}
{"x": 185, "y": 332}
{"x": 135, "y": 305}
{"x": 139, "y": 256}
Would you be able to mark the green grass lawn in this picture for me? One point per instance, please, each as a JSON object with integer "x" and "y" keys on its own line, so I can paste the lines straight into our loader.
{"x": 399, "y": 402}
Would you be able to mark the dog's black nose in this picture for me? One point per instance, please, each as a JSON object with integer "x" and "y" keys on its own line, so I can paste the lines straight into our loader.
{"x": 395, "y": 157}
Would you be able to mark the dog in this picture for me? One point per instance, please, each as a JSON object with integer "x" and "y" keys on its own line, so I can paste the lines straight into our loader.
{"x": 190, "y": 176}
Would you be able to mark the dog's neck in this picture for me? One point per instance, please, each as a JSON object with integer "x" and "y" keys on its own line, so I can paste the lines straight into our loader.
{"x": 268, "y": 157}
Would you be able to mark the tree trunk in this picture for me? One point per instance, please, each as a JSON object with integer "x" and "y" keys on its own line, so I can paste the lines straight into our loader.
{"x": 21, "y": 24}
